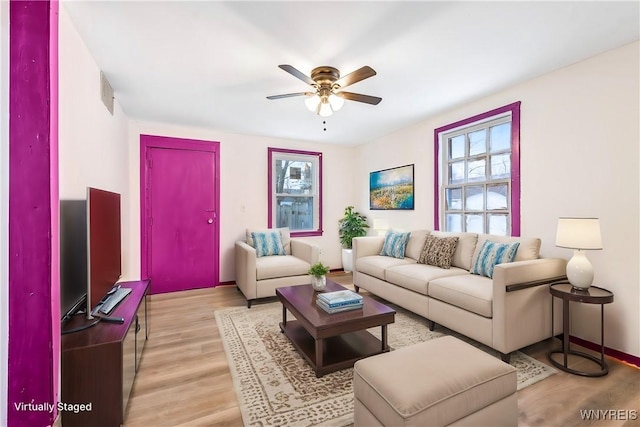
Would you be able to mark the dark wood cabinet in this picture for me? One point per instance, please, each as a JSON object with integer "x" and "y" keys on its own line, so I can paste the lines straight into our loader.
{"x": 99, "y": 364}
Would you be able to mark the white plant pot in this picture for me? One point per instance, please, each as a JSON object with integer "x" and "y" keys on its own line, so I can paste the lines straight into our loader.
{"x": 319, "y": 283}
{"x": 347, "y": 260}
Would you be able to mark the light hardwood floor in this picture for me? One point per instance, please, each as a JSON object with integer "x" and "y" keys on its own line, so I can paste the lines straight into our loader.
{"x": 184, "y": 377}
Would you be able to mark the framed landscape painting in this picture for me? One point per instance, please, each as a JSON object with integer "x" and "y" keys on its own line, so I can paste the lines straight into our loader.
{"x": 391, "y": 188}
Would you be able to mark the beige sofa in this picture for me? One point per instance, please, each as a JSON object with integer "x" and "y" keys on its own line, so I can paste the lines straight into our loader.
{"x": 258, "y": 277}
{"x": 510, "y": 311}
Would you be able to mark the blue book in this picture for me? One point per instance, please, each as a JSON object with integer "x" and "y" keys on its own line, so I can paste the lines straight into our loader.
{"x": 332, "y": 310}
{"x": 340, "y": 298}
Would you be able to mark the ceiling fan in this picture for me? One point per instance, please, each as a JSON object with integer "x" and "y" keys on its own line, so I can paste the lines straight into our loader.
{"x": 328, "y": 95}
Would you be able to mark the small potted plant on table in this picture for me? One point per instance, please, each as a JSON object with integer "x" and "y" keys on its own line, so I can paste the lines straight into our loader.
{"x": 353, "y": 224}
{"x": 318, "y": 273}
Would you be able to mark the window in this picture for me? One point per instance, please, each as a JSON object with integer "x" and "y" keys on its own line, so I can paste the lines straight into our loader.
{"x": 477, "y": 171}
{"x": 295, "y": 191}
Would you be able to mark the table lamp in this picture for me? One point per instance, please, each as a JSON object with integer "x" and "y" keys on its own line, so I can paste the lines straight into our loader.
{"x": 579, "y": 234}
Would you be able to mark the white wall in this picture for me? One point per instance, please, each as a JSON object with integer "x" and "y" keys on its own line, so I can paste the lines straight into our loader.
{"x": 4, "y": 207}
{"x": 243, "y": 176}
{"x": 579, "y": 157}
{"x": 92, "y": 143}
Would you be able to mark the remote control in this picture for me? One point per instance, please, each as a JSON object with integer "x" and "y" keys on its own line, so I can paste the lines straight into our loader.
{"x": 119, "y": 320}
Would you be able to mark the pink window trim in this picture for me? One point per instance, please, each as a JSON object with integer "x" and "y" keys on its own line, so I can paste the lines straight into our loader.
{"x": 514, "y": 109}
{"x": 305, "y": 233}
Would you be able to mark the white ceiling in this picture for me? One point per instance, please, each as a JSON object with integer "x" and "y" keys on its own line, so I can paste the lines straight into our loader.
{"x": 212, "y": 64}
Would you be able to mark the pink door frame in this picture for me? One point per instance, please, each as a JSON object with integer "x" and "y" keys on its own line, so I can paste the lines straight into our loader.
{"x": 148, "y": 142}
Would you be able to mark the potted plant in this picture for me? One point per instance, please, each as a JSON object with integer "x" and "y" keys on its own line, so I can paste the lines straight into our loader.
{"x": 353, "y": 224}
{"x": 318, "y": 273}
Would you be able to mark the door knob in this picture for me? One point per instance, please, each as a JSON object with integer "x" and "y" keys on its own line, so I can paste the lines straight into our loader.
{"x": 210, "y": 221}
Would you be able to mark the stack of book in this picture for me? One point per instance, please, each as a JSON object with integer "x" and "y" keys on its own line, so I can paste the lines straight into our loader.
{"x": 337, "y": 301}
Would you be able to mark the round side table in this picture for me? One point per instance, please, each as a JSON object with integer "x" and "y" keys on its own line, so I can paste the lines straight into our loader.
{"x": 592, "y": 295}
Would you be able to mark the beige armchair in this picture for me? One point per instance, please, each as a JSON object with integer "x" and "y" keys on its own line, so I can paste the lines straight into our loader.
{"x": 258, "y": 277}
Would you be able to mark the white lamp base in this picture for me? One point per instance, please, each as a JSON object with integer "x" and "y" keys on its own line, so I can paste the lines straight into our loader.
{"x": 580, "y": 270}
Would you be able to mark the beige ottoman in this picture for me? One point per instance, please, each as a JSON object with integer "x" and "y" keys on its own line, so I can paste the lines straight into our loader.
{"x": 441, "y": 382}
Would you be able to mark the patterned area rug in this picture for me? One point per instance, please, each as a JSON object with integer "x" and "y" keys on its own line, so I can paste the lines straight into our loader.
{"x": 276, "y": 387}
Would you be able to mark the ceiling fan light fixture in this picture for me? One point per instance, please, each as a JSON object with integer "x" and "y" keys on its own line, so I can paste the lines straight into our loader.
{"x": 336, "y": 101}
{"x": 324, "y": 109}
{"x": 312, "y": 102}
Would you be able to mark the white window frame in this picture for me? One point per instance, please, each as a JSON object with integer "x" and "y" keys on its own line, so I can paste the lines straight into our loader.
{"x": 276, "y": 154}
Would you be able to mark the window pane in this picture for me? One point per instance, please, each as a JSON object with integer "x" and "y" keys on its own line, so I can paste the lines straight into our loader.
{"x": 453, "y": 222}
{"x": 476, "y": 170}
{"x": 498, "y": 224}
{"x": 475, "y": 223}
{"x": 456, "y": 172}
{"x": 500, "y": 166}
{"x": 294, "y": 212}
{"x": 454, "y": 198}
{"x": 294, "y": 177}
{"x": 500, "y": 138}
{"x": 497, "y": 197}
{"x": 478, "y": 142}
{"x": 474, "y": 198}
{"x": 456, "y": 147}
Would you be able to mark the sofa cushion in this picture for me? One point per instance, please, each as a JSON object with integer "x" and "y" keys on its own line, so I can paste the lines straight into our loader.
{"x": 469, "y": 292}
{"x": 493, "y": 253}
{"x": 416, "y": 277}
{"x": 284, "y": 233}
{"x": 466, "y": 247}
{"x": 529, "y": 247}
{"x": 268, "y": 243}
{"x": 416, "y": 243}
{"x": 395, "y": 243}
{"x": 375, "y": 265}
{"x": 438, "y": 251}
{"x": 271, "y": 267}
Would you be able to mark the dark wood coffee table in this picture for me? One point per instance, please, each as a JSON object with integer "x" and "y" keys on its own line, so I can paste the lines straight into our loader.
{"x": 330, "y": 342}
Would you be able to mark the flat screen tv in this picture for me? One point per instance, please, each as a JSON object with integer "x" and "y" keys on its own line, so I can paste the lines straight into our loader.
{"x": 104, "y": 247}
{"x": 73, "y": 257}
{"x": 90, "y": 250}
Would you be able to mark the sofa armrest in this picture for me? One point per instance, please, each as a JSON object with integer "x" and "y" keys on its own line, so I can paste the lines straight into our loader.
{"x": 367, "y": 246}
{"x": 305, "y": 251}
{"x": 523, "y": 316}
{"x": 245, "y": 268}
{"x": 535, "y": 270}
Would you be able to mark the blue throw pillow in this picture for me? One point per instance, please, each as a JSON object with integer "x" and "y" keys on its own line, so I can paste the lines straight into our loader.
{"x": 268, "y": 243}
{"x": 491, "y": 254}
{"x": 395, "y": 244}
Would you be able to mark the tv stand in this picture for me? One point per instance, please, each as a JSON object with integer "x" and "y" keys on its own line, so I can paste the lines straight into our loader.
{"x": 99, "y": 364}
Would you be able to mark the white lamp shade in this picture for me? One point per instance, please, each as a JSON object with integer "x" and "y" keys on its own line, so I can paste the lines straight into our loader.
{"x": 325, "y": 108}
{"x": 579, "y": 233}
{"x": 312, "y": 102}
{"x": 336, "y": 101}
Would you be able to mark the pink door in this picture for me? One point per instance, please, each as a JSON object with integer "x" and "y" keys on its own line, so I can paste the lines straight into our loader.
{"x": 180, "y": 224}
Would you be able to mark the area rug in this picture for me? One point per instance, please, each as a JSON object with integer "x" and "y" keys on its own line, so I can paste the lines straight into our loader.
{"x": 276, "y": 387}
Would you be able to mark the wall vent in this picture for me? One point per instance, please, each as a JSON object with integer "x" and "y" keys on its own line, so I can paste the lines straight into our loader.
{"x": 106, "y": 93}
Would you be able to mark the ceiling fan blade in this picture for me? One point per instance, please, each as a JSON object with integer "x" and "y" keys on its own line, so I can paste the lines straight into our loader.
{"x": 356, "y": 76}
{"x": 289, "y": 95}
{"x": 297, "y": 73}
{"x": 367, "y": 99}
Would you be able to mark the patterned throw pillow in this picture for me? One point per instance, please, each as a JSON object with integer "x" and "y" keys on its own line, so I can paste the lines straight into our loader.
{"x": 491, "y": 254}
{"x": 268, "y": 243}
{"x": 395, "y": 244}
{"x": 438, "y": 251}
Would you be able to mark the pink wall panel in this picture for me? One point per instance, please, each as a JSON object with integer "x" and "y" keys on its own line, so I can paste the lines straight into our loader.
{"x": 33, "y": 280}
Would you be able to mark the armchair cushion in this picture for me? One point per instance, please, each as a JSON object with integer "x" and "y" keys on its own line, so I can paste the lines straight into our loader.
{"x": 271, "y": 267}
{"x": 267, "y": 243}
{"x": 284, "y": 233}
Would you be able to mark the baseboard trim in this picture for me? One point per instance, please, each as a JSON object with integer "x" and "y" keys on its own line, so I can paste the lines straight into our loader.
{"x": 616, "y": 354}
